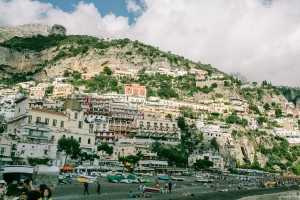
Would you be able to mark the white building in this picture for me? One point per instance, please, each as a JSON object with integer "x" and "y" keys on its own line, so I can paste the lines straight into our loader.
{"x": 217, "y": 160}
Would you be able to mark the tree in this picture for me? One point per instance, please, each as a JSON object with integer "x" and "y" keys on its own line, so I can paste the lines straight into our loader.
{"x": 226, "y": 83}
{"x": 38, "y": 161}
{"x": 69, "y": 146}
{"x": 214, "y": 85}
{"x": 266, "y": 106}
{"x": 49, "y": 90}
{"x": 107, "y": 71}
{"x": 66, "y": 73}
{"x": 85, "y": 156}
{"x": 2, "y": 123}
{"x": 203, "y": 164}
{"x": 261, "y": 120}
{"x": 256, "y": 164}
{"x": 278, "y": 112}
{"x": 254, "y": 108}
{"x": 181, "y": 123}
{"x": 105, "y": 147}
{"x": 214, "y": 144}
{"x": 169, "y": 116}
{"x": 76, "y": 75}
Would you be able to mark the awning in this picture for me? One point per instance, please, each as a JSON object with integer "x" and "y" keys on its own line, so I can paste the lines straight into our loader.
{"x": 67, "y": 168}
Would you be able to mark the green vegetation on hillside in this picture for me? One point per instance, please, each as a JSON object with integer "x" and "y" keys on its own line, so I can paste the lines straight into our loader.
{"x": 70, "y": 46}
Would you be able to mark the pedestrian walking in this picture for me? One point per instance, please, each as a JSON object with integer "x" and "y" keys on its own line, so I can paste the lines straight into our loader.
{"x": 166, "y": 186}
{"x": 98, "y": 188}
{"x": 156, "y": 183}
{"x": 170, "y": 187}
{"x": 86, "y": 188}
{"x": 141, "y": 189}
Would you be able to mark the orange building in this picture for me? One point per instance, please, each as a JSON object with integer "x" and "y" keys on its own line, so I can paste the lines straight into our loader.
{"x": 135, "y": 90}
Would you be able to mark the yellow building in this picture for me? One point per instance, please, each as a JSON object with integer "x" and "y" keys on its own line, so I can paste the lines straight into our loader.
{"x": 62, "y": 90}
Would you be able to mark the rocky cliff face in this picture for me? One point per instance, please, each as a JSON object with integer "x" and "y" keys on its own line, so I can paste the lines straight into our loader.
{"x": 17, "y": 62}
{"x": 28, "y": 30}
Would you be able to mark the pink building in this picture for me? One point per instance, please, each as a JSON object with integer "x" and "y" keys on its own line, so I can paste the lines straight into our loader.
{"x": 135, "y": 90}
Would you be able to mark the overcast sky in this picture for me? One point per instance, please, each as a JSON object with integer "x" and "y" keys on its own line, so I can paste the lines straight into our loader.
{"x": 259, "y": 39}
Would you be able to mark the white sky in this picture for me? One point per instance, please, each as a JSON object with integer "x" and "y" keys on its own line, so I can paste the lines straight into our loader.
{"x": 256, "y": 39}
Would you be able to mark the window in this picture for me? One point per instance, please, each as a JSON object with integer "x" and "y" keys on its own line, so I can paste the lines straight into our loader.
{"x": 76, "y": 115}
{"x": 89, "y": 141}
{"x": 79, "y": 140}
{"x": 72, "y": 137}
{"x": 29, "y": 119}
{"x": 62, "y": 124}
{"x": 52, "y": 138}
{"x": 64, "y": 136}
{"x": 80, "y": 124}
{"x": 38, "y": 119}
{"x": 54, "y": 122}
{"x": 46, "y": 120}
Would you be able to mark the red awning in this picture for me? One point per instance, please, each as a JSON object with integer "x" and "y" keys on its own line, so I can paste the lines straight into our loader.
{"x": 67, "y": 168}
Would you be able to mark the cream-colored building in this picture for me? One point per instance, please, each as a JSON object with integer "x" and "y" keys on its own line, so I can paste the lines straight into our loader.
{"x": 69, "y": 123}
{"x": 155, "y": 111}
{"x": 161, "y": 130}
{"x": 62, "y": 90}
{"x": 36, "y": 92}
{"x": 123, "y": 150}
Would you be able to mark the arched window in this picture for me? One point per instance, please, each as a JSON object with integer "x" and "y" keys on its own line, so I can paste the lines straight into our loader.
{"x": 89, "y": 141}
{"x": 79, "y": 139}
{"x": 64, "y": 136}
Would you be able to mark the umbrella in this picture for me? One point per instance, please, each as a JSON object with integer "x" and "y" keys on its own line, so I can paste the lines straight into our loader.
{"x": 67, "y": 168}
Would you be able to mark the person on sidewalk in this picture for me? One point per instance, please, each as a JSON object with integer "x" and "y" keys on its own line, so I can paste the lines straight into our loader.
{"x": 98, "y": 188}
{"x": 86, "y": 188}
{"x": 170, "y": 187}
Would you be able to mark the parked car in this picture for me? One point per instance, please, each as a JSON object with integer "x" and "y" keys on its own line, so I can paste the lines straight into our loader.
{"x": 143, "y": 180}
{"x": 163, "y": 178}
{"x": 175, "y": 178}
{"x": 203, "y": 180}
{"x": 125, "y": 181}
{"x": 81, "y": 180}
{"x": 135, "y": 181}
{"x": 95, "y": 174}
{"x": 103, "y": 174}
{"x": 114, "y": 179}
{"x": 64, "y": 180}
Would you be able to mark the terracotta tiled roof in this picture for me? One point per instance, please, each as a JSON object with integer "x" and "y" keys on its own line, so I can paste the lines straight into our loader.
{"x": 48, "y": 111}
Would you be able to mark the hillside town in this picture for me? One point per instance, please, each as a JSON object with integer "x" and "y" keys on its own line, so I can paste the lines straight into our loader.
{"x": 130, "y": 122}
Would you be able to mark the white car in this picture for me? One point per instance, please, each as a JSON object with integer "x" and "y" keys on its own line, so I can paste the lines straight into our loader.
{"x": 103, "y": 174}
{"x": 95, "y": 174}
{"x": 135, "y": 181}
{"x": 125, "y": 181}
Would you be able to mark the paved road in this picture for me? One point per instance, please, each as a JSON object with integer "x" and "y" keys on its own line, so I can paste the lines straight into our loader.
{"x": 120, "y": 191}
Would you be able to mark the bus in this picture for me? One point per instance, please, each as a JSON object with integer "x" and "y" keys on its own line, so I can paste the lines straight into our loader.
{"x": 19, "y": 173}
